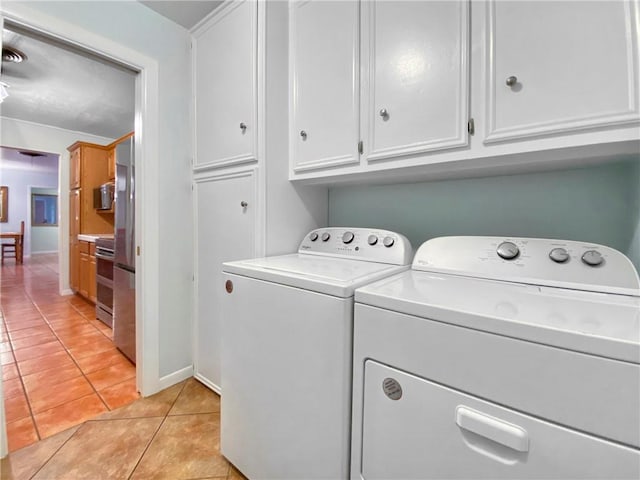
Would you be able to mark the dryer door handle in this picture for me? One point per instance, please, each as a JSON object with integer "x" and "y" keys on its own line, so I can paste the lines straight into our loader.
{"x": 492, "y": 428}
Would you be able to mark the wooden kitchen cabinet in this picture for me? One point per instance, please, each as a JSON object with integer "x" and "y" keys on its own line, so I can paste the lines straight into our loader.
{"x": 111, "y": 164}
{"x": 233, "y": 200}
{"x": 87, "y": 270}
{"x": 226, "y": 119}
{"x": 89, "y": 170}
{"x": 83, "y": 287}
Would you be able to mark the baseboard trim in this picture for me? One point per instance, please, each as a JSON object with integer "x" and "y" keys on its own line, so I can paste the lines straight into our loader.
{"x": 175, "y": 377}
{"x": 66, "y": 291}
{"x": 207, "y": 383}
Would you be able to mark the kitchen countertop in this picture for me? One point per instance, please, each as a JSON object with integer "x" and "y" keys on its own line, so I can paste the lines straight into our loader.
{"x": 91, "y": 237}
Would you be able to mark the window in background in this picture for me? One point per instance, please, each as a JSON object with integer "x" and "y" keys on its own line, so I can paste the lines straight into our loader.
{"x": 44, "y": 210}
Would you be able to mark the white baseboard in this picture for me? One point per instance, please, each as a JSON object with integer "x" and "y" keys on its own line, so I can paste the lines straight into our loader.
{"x": 175, "y": 377}
{"x": 66, "y": 291}
{"x": 207, "y": 383}
{"x": 42, "y": 253}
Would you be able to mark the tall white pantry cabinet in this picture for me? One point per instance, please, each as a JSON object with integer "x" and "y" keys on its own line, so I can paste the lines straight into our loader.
{"x": 244, "y": 205}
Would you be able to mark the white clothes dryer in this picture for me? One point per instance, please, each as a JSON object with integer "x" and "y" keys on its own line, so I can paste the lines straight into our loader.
{"x": 287, "y": 351}
{"x": 499, "y": 358}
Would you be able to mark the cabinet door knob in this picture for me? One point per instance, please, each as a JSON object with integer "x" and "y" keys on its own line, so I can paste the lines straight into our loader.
{"x": 383, "y": 113}
{"x": 303, "y": 134}
{"x": 511, "y": 81}
{"x": 244, "y": 204}
{"x": 243, "y": 126}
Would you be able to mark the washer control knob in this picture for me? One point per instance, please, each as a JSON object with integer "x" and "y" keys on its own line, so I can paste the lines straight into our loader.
{"x": 372, "y": 240}
{"x": 313, "y": 237}
{"x": 326, "y": 236}
{"x": 592, "y": 258}
{"x": 559, "y": 255}
{"x": 508, "y": 250}
{"x": 388, "y": 242}
{"x": 347, "y": 237}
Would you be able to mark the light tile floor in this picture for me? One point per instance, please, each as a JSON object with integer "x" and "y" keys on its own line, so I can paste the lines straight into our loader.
{"x": 59, "y": 365}
{"x": 174, "y": 434}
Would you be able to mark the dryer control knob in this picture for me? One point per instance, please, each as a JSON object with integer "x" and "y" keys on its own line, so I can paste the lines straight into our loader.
{"x": 347, "y": 237}
{"x": 388, "y": 242}
{"x": 326, "y": 236}
{"x": 313, "y": 237}
{"x": 372, "y": 240}
{"x": 508, "y": 250}
{"x": 592, "y": 258}
{"x": 559, "y": 255}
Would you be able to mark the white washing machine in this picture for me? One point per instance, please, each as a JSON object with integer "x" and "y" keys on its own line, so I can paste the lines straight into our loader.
{"x": 499, "y": 358}
{"x": 287, "y": 350}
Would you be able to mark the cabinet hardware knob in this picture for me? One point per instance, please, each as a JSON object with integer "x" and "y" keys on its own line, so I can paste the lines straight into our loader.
{"x": 243, "y": 126}
{"x": 511, "y": 81}
{"x": 383, "y": 113}
{"x": 303, "y": 134}
{"x": 244, "y": 204}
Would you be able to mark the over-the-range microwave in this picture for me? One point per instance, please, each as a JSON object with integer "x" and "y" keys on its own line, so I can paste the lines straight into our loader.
{"x": 103, "y": 197}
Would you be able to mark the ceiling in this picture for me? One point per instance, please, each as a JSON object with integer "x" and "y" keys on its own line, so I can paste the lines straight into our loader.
{"x": 62, "y": 86}
{"x": 12, "y": 159}
{"x": 183, "y": 12}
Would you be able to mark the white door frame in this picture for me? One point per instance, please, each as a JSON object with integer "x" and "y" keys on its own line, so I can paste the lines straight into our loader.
{"x": 146, "y": 150}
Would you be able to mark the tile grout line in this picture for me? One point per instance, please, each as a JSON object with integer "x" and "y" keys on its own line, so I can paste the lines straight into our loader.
{"x": 156, "y": 432}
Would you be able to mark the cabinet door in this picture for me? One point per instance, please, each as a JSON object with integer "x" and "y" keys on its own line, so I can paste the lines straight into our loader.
{"x": 74, "y": 266}
{"x": 324, "y": 84}
{"x": 111, "y": 164}
{"x": 83, "y": 287}
{"x": 92, "y": 287}
{"x": 415, "y": 76}
{"x": 225, "y": 73}
{"x": 74, "y": 160}
{"x": 554, "y": 67}
{"x": 225, "y": 231}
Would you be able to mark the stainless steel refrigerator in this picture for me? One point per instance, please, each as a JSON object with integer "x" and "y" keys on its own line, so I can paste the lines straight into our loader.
{"x": 124, "y": 267}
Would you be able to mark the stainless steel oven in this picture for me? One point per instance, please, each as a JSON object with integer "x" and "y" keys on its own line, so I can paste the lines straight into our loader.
{"x": 104, "y": 280}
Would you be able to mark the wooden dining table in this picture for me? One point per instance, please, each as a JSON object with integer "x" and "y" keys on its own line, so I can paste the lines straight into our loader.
{"x": 17, "y": 239}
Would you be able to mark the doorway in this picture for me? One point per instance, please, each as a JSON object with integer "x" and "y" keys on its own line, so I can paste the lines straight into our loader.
{"x": 146, "y": 146}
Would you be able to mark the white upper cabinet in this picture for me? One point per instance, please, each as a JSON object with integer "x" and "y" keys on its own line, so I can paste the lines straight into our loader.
{"x": 225, "y": 78}
{"x": 459, "y": 87}
{"x": 415, "y": 77}
{"x": 555, "y": 67}
{"x": 324, "y": 82}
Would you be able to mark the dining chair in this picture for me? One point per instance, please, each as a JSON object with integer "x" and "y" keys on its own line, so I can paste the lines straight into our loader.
{"x": 15, "y": 249}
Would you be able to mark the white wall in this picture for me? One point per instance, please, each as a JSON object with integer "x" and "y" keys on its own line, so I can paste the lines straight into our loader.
{"x": 135, "y": 27}
{"x": 20, "y": 178}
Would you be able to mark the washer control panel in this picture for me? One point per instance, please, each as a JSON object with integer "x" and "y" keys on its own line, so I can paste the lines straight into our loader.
{"x": 536, "y": 261}
{"x": 369, "y": 244}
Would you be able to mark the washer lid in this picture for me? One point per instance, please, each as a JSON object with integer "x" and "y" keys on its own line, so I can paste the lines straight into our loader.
{"x": 329, "y": 275}
{"x": 601, "y": 324}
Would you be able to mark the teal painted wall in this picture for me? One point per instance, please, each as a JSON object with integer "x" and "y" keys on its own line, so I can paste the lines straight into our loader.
{"x": 596, "y": 204}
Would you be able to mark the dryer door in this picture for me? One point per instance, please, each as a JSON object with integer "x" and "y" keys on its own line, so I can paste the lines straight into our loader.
{"x": 413, "y": 428}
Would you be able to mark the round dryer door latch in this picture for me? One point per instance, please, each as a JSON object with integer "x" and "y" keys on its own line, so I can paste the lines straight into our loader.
{"x": 392, "y": 388}
{"x": 228, "y": 286}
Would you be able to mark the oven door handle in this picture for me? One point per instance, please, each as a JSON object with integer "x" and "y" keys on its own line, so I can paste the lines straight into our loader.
{"x": 104, "y": 257}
